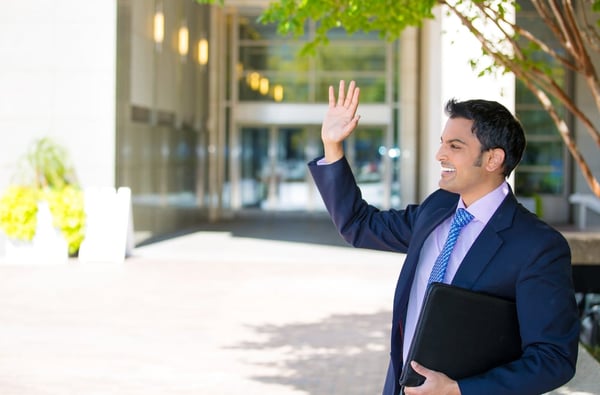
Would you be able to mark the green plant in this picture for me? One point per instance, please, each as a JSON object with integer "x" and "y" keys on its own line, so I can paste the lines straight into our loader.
{"x": 44, "y": 174}
{"x": 67, "y": 208}
{"x": 46, "y": 164}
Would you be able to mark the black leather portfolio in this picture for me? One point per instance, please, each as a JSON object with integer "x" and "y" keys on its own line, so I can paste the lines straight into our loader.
{"x": 462, "y": 333}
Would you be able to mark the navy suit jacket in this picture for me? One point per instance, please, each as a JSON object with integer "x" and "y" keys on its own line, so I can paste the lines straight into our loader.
{"x": 516, "y": 256}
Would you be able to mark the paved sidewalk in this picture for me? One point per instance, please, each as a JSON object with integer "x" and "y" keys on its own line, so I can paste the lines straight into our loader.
{"x": 214, "y": 312}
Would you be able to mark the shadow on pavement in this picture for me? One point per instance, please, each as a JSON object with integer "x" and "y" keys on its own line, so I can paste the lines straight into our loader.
{"x": 342, "y": 354}
{"x": 292, "y": 227}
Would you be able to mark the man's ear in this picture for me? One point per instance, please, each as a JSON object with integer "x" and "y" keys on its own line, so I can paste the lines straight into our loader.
{"x": 495, "y": 159}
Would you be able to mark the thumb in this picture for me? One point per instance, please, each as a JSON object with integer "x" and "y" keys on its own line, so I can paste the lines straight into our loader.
{"x": 351, "y": 125}
{"x": 422, "y": 370}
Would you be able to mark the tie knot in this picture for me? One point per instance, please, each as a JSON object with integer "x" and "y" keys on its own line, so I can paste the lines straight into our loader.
{"x": 462, "y": 217}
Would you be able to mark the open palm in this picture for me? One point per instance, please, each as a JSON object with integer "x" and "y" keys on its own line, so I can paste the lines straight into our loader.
{"x": 340, "y": 119}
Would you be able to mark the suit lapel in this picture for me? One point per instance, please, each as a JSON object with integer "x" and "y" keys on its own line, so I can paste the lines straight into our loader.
{"x": 486, "y": 245}
{"x": 407, "y": 273}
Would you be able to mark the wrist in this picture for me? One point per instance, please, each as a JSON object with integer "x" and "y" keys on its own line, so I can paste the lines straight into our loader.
{"x": 333, "y": 152}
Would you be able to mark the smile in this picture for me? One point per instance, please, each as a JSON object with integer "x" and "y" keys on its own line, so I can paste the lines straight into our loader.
{"x": 448, "y": 170}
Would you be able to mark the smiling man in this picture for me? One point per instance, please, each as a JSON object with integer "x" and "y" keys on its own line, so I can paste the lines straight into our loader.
{"x": 503, "y": 249}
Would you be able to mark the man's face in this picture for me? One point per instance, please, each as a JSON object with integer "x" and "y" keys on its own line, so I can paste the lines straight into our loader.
{"x": 463, "y": 164}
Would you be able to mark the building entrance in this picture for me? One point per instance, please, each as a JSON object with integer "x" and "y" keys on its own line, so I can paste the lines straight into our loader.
{"x": 272, "y": 172}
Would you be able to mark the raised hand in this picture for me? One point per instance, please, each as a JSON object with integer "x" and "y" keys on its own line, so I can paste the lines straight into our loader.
{"x": 340, "y": 120}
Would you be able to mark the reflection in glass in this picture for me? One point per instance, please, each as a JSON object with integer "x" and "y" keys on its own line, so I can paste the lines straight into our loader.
{"x": 367, "y": 155}
{"x": 305, "y": 79}
{"x": 354, "y": 58}
{"x": 254, "y": 159}
{"x": 372, "y": 89}
{"x": 291, "y": 88}
{"x": 274, "y": 170}
{"x": 536, "y": 122}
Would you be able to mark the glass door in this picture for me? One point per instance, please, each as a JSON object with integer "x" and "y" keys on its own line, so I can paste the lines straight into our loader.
{"x": 254, "y": 165}
{"x": 367, "y": 153}
{"x": 273, "y": 174}
{"x": 291, "y": 188}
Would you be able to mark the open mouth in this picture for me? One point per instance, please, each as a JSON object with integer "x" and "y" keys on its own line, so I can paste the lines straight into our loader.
{"x": 448, "y": 169}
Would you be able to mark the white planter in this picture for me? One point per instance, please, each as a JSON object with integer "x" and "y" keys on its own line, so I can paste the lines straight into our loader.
{"x": 47, "y": 247}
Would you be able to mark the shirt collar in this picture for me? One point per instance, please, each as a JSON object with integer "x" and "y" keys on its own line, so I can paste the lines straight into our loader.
{"x": 485, "y": 207}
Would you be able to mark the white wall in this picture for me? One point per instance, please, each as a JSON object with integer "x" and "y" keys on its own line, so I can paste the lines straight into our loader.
{"x": 447, "y": 49}
{"x": 57, "y": 78}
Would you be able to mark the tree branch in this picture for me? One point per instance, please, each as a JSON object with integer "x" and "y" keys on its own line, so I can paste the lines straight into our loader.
{"x": 533, "y": 77}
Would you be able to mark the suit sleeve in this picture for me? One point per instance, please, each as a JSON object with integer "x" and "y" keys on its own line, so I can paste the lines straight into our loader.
{"x": 360, "y": 224}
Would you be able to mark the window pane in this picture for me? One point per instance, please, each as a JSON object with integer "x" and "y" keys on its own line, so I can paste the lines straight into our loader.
{"x": 254, "y": 161}
{"x": 531, "y": 183}
{"x": 251, "y": 29}
{"x": 340, "y": 34}
{"x": 542, "y": 167}
{"x": 347, "y": 57}
{"x": 264, "y": 54}
{"x": 367, "y": 160}
{"x": 544, "y": 154}
{"x": 538, "y": 122}
{"x": 372, "y": 89}
{"x": 289, "y": 88}
{"x": 290, "y": 149}
{"x": 541, "y": 170}
{"x": 271, "y": 57}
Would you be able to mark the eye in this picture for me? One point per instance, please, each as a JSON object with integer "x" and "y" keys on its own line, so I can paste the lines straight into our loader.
{"x": 454, "y": 146}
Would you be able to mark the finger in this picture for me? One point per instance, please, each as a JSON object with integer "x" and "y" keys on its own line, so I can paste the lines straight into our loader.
{"x": 341, "y": 93}
{"x": 350, "y": 96}
{"x": 352, "y": 124}
{"x": 423, "y": 372}
{"x": 331, "y": 96}
{"x": 354, "y": 100}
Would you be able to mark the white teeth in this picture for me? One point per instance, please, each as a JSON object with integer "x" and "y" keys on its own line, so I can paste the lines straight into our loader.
{"x": 447, "y": 169}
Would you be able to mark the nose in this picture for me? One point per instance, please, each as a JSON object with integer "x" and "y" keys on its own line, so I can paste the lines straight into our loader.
{"x": 440, "y": 154}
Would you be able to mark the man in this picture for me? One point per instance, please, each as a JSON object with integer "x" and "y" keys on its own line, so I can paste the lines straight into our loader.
{"x": 504, "y": 250}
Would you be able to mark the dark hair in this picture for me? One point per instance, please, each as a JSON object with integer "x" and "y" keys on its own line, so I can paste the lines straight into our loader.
{"x": 494, "y": 126}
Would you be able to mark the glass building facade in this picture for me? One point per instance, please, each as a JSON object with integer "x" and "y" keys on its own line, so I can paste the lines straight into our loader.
{"x": 271, "y": 167}
{"x": 227, "y": 125}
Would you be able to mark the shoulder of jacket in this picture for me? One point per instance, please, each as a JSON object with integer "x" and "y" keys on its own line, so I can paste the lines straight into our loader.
{"x": 441, "y": 198}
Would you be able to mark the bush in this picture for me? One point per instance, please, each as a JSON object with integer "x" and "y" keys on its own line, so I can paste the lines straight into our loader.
{"x": 45, "y": 174}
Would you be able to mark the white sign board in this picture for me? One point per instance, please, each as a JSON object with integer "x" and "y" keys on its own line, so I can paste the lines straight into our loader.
{"x": 109, "y": 225}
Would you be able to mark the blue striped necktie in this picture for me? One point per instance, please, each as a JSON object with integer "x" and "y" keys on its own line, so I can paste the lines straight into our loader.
{"x": 461, "y": 218}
